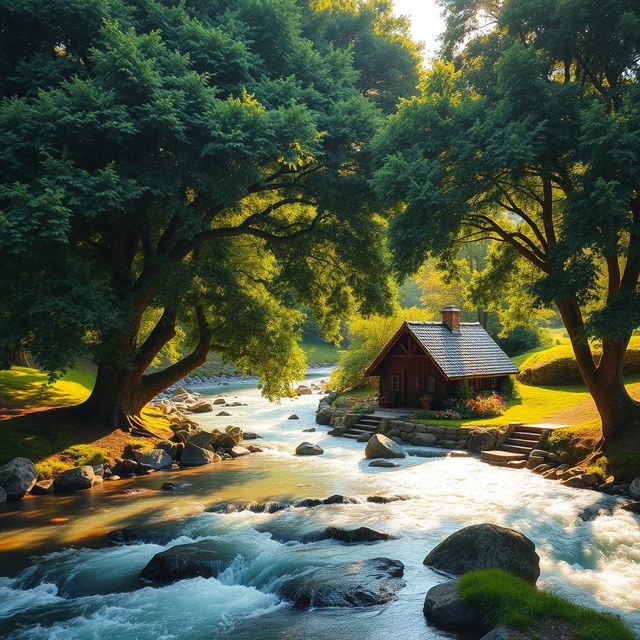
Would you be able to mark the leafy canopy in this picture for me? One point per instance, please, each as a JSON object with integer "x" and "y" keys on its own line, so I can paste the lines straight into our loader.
{"x": 190, "y": 166}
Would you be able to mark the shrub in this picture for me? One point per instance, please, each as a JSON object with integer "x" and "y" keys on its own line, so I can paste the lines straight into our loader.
{"x": 463, "y": 391}
{"x": 522, "y": 338}
{"x": 362, "y": 409}
{"x": 508, "y": 387}
{"x": 486, "y": 406}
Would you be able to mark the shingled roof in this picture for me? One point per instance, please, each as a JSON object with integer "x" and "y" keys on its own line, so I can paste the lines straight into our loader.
{"x": 468, "y": 353}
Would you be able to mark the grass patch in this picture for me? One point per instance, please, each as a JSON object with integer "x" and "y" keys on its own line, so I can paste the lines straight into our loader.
{"x": 505, "y": 600}
{"x": 320, "y": 352}
{"x": 55, "y": 443}
{"x": 361, "y": 392}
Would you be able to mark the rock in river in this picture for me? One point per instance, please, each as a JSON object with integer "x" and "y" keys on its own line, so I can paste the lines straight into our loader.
{"x": 383, "y": 463}
{"x": 194, "y": 456}
{"x": 444, "y": 608}
{"x": 155, "y": 458}
{"x": 350, "y": 536}
{"x": 380, "y": 446}
{"x": 353, "y": 584}
{"x": 486, "y": 546}
{"x": 200, "y": 559}
{"x": 17, "y": 477}
{"x": 76, "y": 478}
{"x": 308, "y": 449}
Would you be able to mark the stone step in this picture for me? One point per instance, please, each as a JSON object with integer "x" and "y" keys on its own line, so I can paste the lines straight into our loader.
{"x": 499, "y": 457}
{"x": 357, "y": 431}
{"x": 366, "y": 427}
{"x": 532, "y": 429}
{"x": 351, "y": 436}
{"x": 516, "y": 449}
{"x": 524, "y": 435}
{"x": 371, "y": 419}
{"x": 530, "y": 444}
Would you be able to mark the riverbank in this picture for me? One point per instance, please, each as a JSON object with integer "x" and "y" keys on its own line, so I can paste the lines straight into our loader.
{"x": 79, "y": 582}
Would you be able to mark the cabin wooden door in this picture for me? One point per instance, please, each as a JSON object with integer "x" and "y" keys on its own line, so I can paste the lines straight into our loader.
{"x": 412, "y": 389}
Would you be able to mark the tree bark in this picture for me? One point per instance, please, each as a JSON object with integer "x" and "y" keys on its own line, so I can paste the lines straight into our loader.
{"x": 620, "y": 414}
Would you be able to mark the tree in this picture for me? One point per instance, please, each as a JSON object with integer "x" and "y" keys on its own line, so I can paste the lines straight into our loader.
{"x": 528, "y": 137}
{"x": 180, "y": 166}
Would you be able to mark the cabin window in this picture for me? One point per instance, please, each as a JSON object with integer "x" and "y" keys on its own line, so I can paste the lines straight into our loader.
{"x": 395, "y": 383}
{"x": 430, "y": 384}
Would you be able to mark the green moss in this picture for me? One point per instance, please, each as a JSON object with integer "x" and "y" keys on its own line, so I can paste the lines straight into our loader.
{"x": 505, "y": 600}
{"x": 320, "y": 352}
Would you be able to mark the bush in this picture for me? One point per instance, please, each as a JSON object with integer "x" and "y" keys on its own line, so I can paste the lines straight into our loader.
{"x": 480, "y": 406}
{"x": 508, "y": 387}
{"x": 443, "y": 414}
{"x": 362, "y": 409}
{"x": 522, "y": 338}
{"x": 505, "y": 600}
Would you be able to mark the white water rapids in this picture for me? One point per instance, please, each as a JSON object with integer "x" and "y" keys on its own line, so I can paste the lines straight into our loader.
{"x": 78, "y": 588}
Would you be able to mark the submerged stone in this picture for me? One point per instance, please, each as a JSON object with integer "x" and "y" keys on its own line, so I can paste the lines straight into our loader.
{"x": 354, "y": 584}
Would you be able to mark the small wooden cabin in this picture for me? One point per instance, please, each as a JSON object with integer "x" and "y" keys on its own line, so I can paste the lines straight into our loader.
{"x": 430, "y": 358}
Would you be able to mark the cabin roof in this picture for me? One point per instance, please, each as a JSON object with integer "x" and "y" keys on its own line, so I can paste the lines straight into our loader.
{"x": 469, "y": 353}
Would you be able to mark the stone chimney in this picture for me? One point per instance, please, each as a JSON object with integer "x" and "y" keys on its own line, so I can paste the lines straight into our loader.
{"x": 451, "y": 318}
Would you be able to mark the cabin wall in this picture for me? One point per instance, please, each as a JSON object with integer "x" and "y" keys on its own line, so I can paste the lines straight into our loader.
{"x": 410, "y": 377}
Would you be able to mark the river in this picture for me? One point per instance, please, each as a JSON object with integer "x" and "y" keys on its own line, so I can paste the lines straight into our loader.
{"x": 62, "y": 581}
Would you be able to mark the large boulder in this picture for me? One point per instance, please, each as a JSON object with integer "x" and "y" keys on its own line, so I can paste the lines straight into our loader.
{"x": 17, "y": 477}
{"x": 444, "y": 608}
{"x": 200, "y": 559}
{"x": 380, "y": 446}
{"x": 482, "y": 439}
{"x": 194, "y": 456}
{"x": 486, "y": 546}
{"x": 308, "y": 449}
{"x": 75, "y": 479}
{"x": 202, "y": 439}
{"x": 170, "y": 447}
{"x": 155, "y": 458}
{"x": 365, "y": 583}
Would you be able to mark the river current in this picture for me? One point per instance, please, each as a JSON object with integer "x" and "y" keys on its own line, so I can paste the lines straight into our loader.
{"x": 63, "y": 581}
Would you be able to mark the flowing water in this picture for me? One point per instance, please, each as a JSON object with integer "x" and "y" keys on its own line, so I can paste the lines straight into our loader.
{"x": 62, "y": 581}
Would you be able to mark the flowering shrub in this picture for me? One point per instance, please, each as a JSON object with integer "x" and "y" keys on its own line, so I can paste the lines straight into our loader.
{"x": 485, "y": 406}
{"x": 346, "y": 402}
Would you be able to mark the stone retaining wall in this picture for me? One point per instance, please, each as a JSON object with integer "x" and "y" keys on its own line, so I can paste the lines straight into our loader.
{"x": 471, "y": 437}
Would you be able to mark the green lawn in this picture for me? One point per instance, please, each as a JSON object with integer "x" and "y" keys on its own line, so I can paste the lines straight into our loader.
{"x": 320, "y": 352}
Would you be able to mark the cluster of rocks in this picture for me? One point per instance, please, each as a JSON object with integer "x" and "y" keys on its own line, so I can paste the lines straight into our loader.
{"x": 329, "y": 415}
{"x": 557, "y": 467}
{"x": 482, "y": 546}
{"x": 183, "y": 400}
{"x": 308, "y": 389}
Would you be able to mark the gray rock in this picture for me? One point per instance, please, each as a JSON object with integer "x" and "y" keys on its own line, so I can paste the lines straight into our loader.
{"x": 308, "y": 449}
{"x": 194, "y": 456}
{"x": 365, "y": 583}
{"x": 17, "y": 477}
{"x": 425, "y": 439}
{"x": 223, "y": 413}
{"x": 444, "y": 608}
{"x": 75, "y": 479}
{"x": 219, "y": 401}
{"x": 634, "y": 488}
{"x": 486, "y": 546}
{"x": 364, "y": 437}
{"x": 324, "y": 415}
{"x": 202, "y": 439}
{"x": 482, "y": 439}
{"x": 310, "y": 430}
{"x": 383, "y": 463}
{"x": 293, "y": 416}
{"x": 173, "y": 486}
{"x": 350, "y": 536}
{"x": 380, "y": 446}
{"x": 155, "y": 458}
{"x": 201, "y": 559}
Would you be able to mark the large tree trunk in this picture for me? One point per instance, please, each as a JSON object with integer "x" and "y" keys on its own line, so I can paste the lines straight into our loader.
{"x": 620, "y": 414}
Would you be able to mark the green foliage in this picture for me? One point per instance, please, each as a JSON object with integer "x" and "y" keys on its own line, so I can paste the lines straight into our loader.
{"x": 463, "y": 391}
{"x": 367, "y": 337}
{"x": 362, "y": 409}
{"x": 191, "y": 168}
{"x": 522, "y": 338}
{"x": 505, "y": 600}
{"x": 508, "y": 387}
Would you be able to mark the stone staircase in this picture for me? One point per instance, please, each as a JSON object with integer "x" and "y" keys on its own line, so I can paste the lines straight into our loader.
{"x": 521, "y": 440}
{"x": 366, "y": 425}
